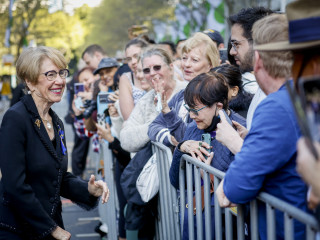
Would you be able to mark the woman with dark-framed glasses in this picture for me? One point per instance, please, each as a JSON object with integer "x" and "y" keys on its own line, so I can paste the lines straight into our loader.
{"x": 204, "y": 96}
{"x": 33, "y": 155}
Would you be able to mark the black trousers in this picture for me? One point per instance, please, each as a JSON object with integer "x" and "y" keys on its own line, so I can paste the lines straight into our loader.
{"x": 79, "y": 155}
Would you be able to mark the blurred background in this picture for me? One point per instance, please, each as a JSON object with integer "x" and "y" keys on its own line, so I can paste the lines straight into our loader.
{"x": 71, "y": 25}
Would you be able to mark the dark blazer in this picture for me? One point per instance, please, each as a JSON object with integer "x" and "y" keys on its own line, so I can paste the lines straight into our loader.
{"x": 34, "y": 174}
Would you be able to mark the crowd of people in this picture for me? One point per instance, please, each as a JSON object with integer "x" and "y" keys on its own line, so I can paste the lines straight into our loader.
{"x": 175, "y": 94}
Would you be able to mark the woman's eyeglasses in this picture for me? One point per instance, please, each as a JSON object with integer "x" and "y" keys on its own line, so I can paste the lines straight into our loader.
{"x": 156, "y": 68}
{"x": 194, "y": 111}
{"x": 52, "y": 74}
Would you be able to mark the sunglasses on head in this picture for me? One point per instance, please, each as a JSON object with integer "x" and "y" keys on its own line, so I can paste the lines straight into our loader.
{"x": 156, "y": 68}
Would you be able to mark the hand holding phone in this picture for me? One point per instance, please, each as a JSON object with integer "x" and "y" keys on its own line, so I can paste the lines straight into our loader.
{"x": 102, "y": 108}
{"x": 227, "y": 117}
{"x": 78, "y": 103}
{"x": 206, "y": 137}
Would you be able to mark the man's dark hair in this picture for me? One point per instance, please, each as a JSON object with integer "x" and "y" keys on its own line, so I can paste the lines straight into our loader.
{"x": 76, "y": 76}
{"x": 141, "y": 43}
{"x": 247, "y": 17}
{"x": 231, "y": 73}
{"x": 171, "y": 45}
{"x": 92, "y": 49}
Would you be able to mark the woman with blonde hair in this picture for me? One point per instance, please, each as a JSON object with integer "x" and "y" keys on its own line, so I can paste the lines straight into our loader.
{"x": 199, "y": 55}
{"x": 34, "y": 157}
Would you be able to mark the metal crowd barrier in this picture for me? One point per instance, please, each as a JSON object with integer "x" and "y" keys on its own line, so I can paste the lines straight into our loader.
{"x": 190, "y": 170}
{"x": 167, "y": 226}
{"x": 108, "y": 211}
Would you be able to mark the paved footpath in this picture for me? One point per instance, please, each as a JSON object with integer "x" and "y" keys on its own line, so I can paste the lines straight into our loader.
{"x": 79, "y": 222}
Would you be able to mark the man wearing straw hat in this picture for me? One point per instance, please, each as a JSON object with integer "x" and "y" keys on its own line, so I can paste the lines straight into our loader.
{"x": 304, "y": 42}
{"x": 267, "y": 159}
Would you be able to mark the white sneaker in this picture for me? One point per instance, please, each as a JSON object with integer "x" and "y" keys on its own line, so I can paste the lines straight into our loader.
{"x": 104, "y": 228}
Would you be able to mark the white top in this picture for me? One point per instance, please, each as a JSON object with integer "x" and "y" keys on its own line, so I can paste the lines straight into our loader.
{"x": 134, "y": 133}
{"x": 257, "y": 98}
{"x": 249, "y": 83}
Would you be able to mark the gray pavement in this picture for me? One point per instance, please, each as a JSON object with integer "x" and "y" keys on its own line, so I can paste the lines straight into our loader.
{"x": 79, "y": 222}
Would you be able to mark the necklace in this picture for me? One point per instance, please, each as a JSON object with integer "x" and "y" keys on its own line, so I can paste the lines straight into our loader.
{"x": 49, "y": 126}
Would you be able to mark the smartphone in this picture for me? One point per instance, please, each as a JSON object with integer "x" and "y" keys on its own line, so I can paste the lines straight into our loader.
{"x": 299, "y": 103}
{"x": 102, "y": 108}
{"x": 227, "y": 117}
{"x": 206, "y": 137}
{"x": 108, "y": 98}
{"x": 78, "y": 87}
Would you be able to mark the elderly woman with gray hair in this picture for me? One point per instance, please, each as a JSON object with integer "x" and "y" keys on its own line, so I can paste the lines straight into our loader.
{"x": 158, "y": 70}
{"x": 34, "y": 158}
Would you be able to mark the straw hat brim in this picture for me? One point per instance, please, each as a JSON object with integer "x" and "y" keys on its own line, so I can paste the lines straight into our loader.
{"x": 286, "y": 45}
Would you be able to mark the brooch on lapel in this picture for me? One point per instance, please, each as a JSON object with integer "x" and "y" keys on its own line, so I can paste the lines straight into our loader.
{"x": 61, "y": 136}
{"x": 38, "y": 122}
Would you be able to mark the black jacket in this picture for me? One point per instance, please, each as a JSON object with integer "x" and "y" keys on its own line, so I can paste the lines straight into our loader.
{"x": 34, "y": 173}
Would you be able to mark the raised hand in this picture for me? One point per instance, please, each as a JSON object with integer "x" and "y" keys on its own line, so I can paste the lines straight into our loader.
{"x": 227, "y": 135}
{"x": 113, "y": 112}
{"x": 240, "y": 129}
{"x": 98, "y": 188}
{"x": 104, "y": 132}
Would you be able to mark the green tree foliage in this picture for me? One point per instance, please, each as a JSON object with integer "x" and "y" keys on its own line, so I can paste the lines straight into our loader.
{"x": 23, "y": 15}
{"x": 58, "y": 30}
{"x": 33, "y": 24}
{"x": 110, "y": 21}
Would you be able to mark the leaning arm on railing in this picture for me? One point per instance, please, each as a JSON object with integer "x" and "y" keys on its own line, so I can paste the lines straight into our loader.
{"x": 222, "y": 199}
{"x": 157, "y": 132}
{"x": 266, "y": 161}
{"x": 189, "y": 145}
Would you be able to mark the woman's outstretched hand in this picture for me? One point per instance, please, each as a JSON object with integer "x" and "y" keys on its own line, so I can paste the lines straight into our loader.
{"x": 60, "y": 234}
{"x": 98, "y": 188}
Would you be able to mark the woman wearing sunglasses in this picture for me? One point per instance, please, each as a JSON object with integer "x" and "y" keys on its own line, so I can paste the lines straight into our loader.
{"x": 205, "y": 95}
{"x": 199, "y": 54}
{"x": 33, "y": 155}
{"x": 158, "y": 70}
